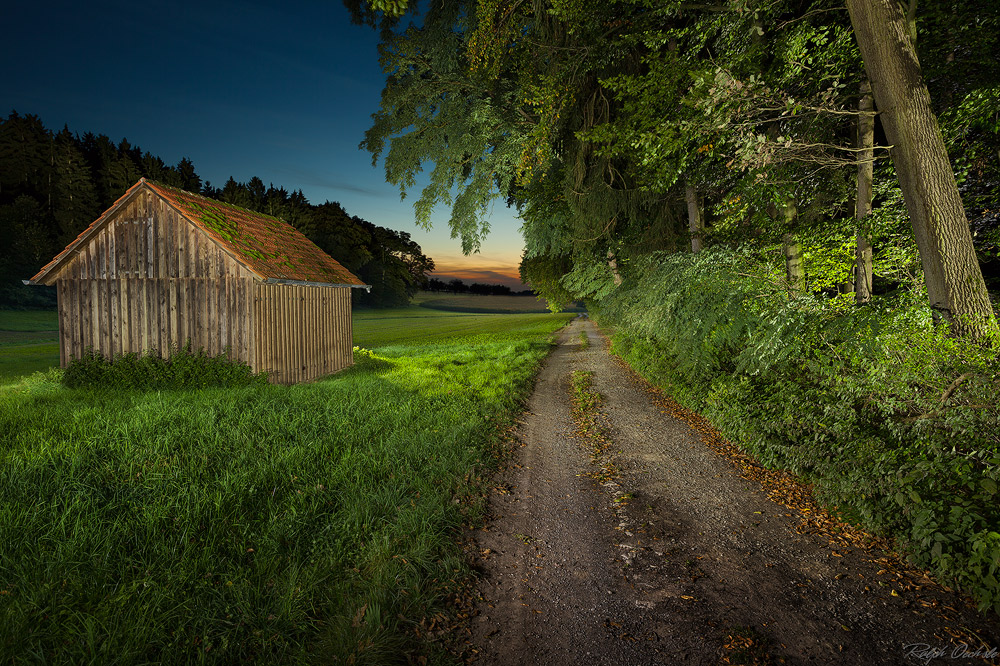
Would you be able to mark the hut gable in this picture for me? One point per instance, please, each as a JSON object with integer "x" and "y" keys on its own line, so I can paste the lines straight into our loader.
{"x": 163, "y": 269}
{"x": 261, "y": 245}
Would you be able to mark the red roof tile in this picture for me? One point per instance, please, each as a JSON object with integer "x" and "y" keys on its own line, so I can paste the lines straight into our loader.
{"x": 269, "y": 247}
{"x": 266, "y": 245}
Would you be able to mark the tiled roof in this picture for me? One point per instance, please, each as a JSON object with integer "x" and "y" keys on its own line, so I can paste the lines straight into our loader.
{"x": 269, "y": 247}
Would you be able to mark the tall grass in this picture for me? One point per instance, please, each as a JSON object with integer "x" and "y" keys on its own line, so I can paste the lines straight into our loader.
{"x": 261, "y": 524}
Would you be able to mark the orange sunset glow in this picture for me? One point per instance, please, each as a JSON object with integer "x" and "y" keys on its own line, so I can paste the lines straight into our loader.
{"x": 486, "y": 269}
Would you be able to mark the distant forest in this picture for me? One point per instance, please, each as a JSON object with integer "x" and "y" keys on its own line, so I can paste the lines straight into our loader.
{"x": 457, "y": 286}
{"x": 54, "y": 184}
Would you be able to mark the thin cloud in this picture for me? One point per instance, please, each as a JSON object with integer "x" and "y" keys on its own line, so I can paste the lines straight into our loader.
{"x": 309, "y": 178}
{"x": 352, "y": 188}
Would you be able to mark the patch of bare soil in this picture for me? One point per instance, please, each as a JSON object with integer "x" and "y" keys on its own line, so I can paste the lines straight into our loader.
{"x": 689, "y": 554}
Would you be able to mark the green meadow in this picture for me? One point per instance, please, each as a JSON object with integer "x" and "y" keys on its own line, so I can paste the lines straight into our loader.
{"x": 267, "y": 524}
{"x": 29, "y": 342}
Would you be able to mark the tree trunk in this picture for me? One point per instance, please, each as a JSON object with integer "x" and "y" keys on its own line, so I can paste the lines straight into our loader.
{"x": 613, "y": 265}
{"x": 795, "y": 273}
{"x": 863, "y": 201}
{"x": 955, "y": 285}
{"x": 696, "y": 225}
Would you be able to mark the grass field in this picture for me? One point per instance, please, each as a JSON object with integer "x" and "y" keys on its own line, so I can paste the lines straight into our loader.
{"x": 29, "y": 320}
{"x": 265, "y": 524}
{"x": 483, "y": 304}
{"x": 29, "y": 342}
{"x": 29, "y": 339}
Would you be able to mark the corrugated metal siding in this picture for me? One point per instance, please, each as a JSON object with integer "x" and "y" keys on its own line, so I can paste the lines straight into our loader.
{"x": 301, "y": 333}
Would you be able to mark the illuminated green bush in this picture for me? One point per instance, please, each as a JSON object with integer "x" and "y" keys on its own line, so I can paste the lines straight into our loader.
{"x": 894, "y": 420}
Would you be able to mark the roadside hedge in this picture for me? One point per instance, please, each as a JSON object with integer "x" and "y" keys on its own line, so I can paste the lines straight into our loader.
{"x": 895, "y": 422}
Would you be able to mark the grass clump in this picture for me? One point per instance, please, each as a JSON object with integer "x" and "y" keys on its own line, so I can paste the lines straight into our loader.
{"x": 181, "y": 369}
{"x": 894, "y": 421}
{"x": 255, "y": 524}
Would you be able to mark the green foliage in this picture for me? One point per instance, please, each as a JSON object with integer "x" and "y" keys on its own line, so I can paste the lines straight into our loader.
{"x": 544, "y": 273}
{"x": 434, "y": 110}
{"x": 894, "y": 420}
{"x": 259, "y": 524}
{"x": 594, "y": 133}
{"x": 593, "y": 280}
{"x": 25, "y": 245}
{"x": 52, "y": 186}
{"x": 180, "y": 369}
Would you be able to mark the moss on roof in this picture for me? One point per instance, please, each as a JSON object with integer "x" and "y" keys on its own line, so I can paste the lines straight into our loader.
{"x": 267, "y": 245}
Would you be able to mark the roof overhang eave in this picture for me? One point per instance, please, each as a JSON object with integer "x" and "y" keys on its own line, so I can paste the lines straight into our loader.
{"x": 305, "y": 283}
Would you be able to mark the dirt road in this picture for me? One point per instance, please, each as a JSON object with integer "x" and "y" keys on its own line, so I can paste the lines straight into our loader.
{"x": 679, "y": 559}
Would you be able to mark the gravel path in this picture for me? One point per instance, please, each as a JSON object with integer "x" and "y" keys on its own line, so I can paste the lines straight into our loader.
{"x": 679, "y": 559}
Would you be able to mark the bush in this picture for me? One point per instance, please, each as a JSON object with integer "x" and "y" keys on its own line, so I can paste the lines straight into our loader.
{"x": 894, "y": 421}
{"x": 182, "y": 368}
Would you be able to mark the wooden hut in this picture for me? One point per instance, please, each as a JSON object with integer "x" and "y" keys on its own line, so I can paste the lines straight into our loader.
{"x": 163, "y": 268}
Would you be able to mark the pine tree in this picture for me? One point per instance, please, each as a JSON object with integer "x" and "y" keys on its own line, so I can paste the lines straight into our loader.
{"x": 75, "y": 201}
{"x": 189, "y": 180}
{"x": 25, "y": 159}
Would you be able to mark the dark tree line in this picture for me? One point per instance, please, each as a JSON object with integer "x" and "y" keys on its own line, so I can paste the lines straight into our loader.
{"x": 54, "y": 184}
{"x": 456, "y": 286}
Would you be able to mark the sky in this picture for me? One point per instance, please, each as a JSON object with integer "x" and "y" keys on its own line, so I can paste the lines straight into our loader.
{"x": 282, "y": 91}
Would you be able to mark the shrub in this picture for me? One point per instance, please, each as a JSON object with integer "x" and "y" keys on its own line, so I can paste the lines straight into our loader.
{"x": 182, "y": 368}
{"x": 895, "y": 421}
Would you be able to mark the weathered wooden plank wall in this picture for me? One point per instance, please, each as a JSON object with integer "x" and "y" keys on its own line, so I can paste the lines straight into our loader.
{"x": 149, "y": 279}
{"x": 301, "y": 333}
{"x": 135, "y": 320}
{"x": 152, "y": 280}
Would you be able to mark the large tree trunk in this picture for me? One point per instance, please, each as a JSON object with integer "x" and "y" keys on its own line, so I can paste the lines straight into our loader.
{"x": 696, "y": 224}
{"x": 955, "y": 283}
{"x": 863, "y": 201}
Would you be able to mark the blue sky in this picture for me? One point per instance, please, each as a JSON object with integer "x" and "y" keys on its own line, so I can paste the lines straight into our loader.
{"x": 283, "y": 91}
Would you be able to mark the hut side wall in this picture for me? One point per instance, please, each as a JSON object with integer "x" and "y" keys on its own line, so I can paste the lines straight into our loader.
{"x": 149, "y": 279}
{"x": 301, "y": 333}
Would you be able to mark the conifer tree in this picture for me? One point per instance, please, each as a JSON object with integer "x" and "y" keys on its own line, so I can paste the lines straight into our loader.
{"x": 75, "y": 204}
{"x": 25, "y": 159}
